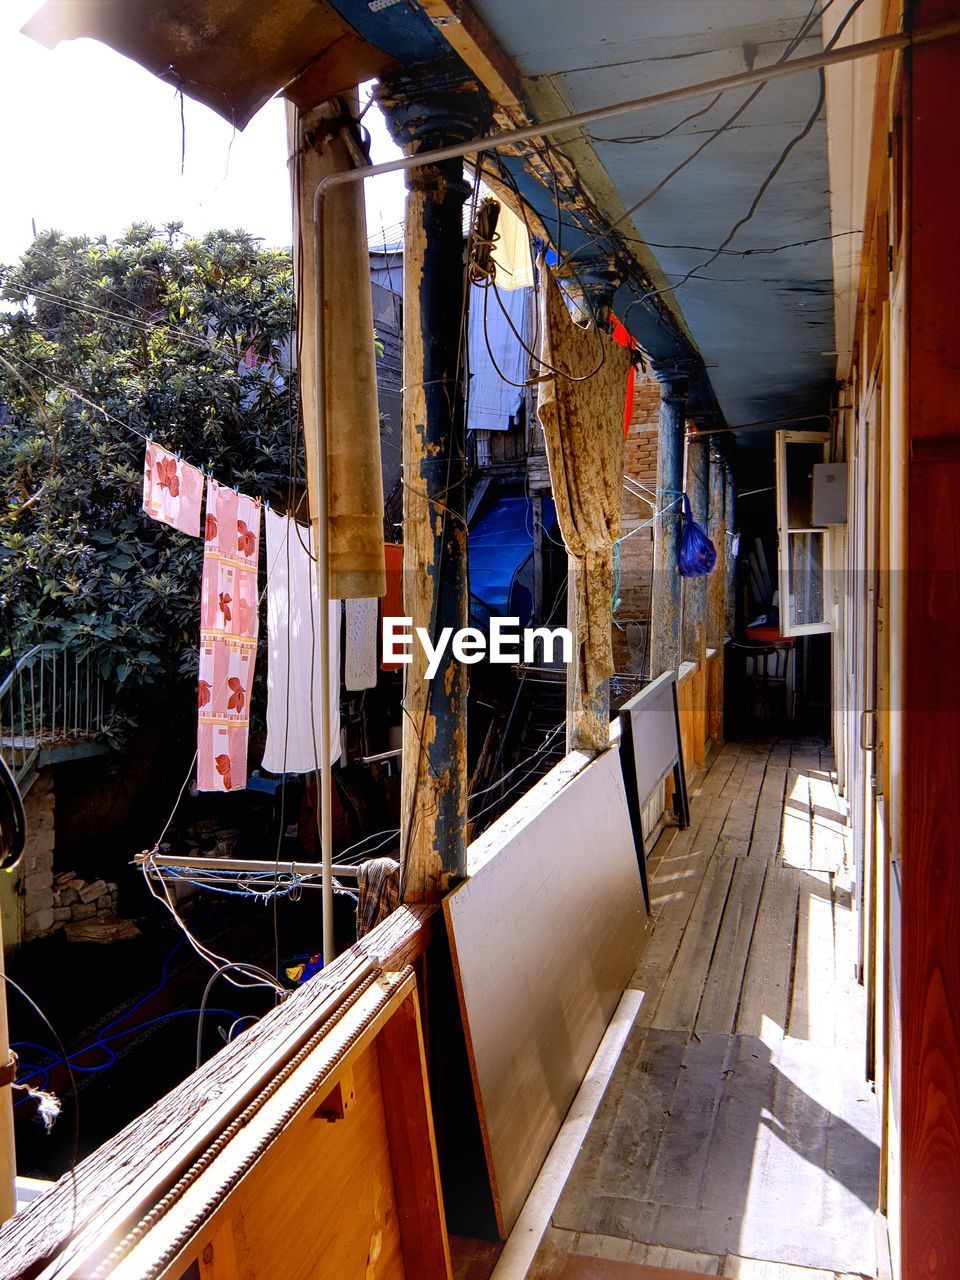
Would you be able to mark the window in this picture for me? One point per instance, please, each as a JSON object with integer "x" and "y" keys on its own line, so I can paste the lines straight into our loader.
{"x": 802, "y": 547}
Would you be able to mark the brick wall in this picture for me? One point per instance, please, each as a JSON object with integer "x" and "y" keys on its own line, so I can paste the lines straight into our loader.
{"x": 636, "y": 554}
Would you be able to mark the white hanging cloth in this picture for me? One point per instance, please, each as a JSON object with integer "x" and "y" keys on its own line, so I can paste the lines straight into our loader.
{"x": 293, "y": 652}
{"x": 360, "y": 654}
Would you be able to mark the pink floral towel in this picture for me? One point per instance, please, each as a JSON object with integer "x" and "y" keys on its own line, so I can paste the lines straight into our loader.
{"x": 172, "y": 490}
{"x": 229, "y": 622}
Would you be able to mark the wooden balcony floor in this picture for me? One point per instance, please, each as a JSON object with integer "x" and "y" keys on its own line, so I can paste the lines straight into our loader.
{"x": 737, "y": 1135}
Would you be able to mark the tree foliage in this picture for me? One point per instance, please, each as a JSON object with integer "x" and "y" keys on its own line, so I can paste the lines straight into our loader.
{"x": 101, "y": 344}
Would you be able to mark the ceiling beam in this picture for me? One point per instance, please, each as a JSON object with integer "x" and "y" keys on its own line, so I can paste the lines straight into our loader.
{"x": 468, "y": 37}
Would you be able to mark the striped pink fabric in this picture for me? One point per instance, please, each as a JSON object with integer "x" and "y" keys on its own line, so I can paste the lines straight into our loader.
{"x": 172, "y": 490}
{"x": 229, "y": 622}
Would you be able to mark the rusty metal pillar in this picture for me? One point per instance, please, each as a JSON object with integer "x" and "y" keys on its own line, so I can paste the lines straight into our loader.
{"x": 422, "y": 116}
{"x": 665, "y": 610}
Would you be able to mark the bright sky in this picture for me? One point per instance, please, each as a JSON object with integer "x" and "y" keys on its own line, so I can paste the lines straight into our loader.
{"x": 91, "y": 142}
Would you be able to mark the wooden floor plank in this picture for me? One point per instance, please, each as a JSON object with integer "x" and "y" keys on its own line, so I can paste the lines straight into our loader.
{"x": 827, "y": 824}
{"x": 740, "y": 1091}
{"x": 752, "y": 1269}
{"x": 721, "y": 996}
{"x": 616, "y": 1249}
{"x": 732, "y": 785}
{"x": 797, "y": 834}
{"x": 678, "y": 1006}
{"x": 813, "y": 1014}
{"x": 743, "y": 807}
{"x": 765, "y": 998}
{"x": 566, "y": 1266}
{"x": 674, "y": 887}
{"x": 765, "y": 837}
{"x": 720, "y": 769}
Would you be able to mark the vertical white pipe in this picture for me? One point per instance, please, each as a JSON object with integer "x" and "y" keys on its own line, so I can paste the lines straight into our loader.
{"x": 323, "y": 579}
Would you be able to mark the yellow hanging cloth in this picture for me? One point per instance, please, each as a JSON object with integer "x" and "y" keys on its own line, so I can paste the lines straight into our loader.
{"x": 511, "y": 252}
{"x": 582, "y": 419}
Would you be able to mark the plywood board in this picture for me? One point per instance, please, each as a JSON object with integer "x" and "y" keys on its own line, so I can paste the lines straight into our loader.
{"x": 545, "y": 936}
{"x": 651, "y": 716}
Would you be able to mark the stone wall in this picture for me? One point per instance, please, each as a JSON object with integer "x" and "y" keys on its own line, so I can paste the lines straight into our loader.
{"x": 49, "y": 901}
{"x": 36, "y": 866}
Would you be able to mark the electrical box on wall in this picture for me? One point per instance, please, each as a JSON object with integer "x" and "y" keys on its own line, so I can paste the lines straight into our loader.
{"x": 829, "y": 493}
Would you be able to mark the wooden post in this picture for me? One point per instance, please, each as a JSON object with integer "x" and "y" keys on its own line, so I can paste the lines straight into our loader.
{"x": 587, "y": 711}
{"x": 434, "y": 756}
{"x": 665, "y": 610}
{"x": 716, "y": 590}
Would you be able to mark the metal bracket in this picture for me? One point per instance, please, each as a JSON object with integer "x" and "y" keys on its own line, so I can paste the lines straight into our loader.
{"x": 868, "y": 713}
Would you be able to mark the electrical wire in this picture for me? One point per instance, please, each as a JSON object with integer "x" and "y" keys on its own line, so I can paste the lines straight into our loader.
{"x": 462, "y": 365}
{"x": 781, "y": 159}
{"x": 131, "y": 322}
{"x": 203, "y": 951}
{"x": 24, "y": 995}
{"x": 240, "y": 967}
{"x": 805, "y": 28}
{"x": 533, "y": 756}
{"x": 531, "y": 760}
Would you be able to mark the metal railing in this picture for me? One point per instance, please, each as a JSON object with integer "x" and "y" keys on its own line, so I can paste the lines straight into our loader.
{"x": 53, "y": 697}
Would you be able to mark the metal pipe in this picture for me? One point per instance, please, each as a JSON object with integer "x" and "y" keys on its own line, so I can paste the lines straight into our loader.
{"x": 379, "y": 756}
{"x": 577, "y": 120}
{"x": 509, "y": 137}
{"x": 323, "y": 577}
{"x": 258, "y": 866}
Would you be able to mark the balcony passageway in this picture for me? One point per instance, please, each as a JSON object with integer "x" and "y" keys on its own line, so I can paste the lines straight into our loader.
{"x": 737, "y": 1135}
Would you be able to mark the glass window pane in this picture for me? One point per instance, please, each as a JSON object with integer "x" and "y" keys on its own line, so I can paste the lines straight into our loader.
{"x": 801, "y": 459}
{"x": 806, "y": 578}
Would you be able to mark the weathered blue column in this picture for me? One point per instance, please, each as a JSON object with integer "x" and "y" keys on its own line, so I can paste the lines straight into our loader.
{"x": 424, "y": 114}
{"x": 665, "y": 640}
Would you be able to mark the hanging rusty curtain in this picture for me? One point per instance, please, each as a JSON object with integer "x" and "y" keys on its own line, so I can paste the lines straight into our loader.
{"x": 319, "y": 145}
{"x": 580, "y": 407}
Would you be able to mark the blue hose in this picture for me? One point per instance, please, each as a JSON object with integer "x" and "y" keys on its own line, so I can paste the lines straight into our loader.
{"x": 103, "y": 1040}
{"x": 44, "y": 1068}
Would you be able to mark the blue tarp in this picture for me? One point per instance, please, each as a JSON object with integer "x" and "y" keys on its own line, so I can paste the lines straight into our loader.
{"x": 499, "y": 546}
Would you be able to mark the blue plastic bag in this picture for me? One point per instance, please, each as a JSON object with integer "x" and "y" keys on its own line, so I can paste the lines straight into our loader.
{"x": 696, "y": 555}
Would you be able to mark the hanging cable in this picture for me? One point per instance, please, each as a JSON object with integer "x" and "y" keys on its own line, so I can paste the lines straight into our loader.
{"x": 75, "y": 1145}
{"x": 241, "y": 968}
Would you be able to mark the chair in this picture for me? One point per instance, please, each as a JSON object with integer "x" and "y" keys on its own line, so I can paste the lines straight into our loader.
{"x": 767, "y": 679}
